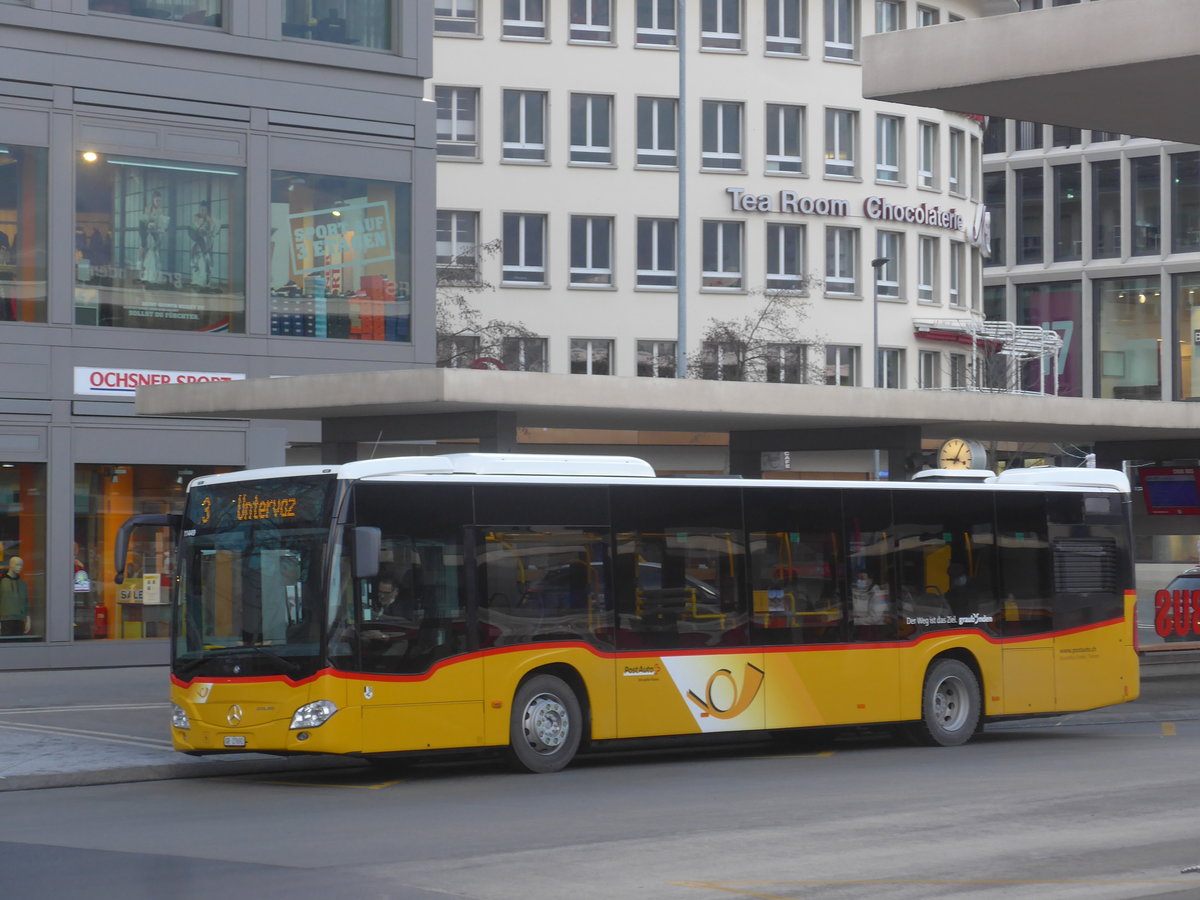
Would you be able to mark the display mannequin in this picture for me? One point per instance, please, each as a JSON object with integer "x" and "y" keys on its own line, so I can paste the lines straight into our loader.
{"x": 14, "y": 600}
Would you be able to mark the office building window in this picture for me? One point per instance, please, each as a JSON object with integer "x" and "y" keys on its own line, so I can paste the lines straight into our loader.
{"x": 841, "y": 29}
{"x": 656, "y": 132}
{"x": 785, "y": 26}
{"x": 890, "y": 246}
{"x": 24, "y": 186}
{"x": 889, "y": 15}
{"x": 1058, "y": 306}
{"x": 1128, "y": 338}
{"x": 995, "y": 135}
{"x": 958, "y": 256}
{"x": 994, "y": 196}
{"x": 841, "y": 260}
{"x": 23, "y": 557}
{"x": 975, "y": 169}
{"x": 889, "y": 139}
{"x": 841, "y": 365}
{"x": 1185, "y": 202}
{"x": 785, "y": 139}
{"x": 721, "y": 134}
{"x": 104, "y": 495}
{"x": 926, "y": 16}
{"x": 1063, "y": 136}
{"x": 591, "y": 251}
{"x": 1028, "y": 135}
{"x": 590, "y": 356}
{"x": 591, "y": 21}
{"x": 524, "y": 19}
{"x": 1186, "y": 292}
{"x": 656, "y": 359}
{"x": 591, "y": 129}
{"x": 656, "y": 23}
{"x": 189, "y": 12}
{"x": 458, "y": 351}
{"x": 721, "y": 24}
{"x": 931, "y": 370}
{"x": 524, "y": 255}
{"x": 456, "y": 16}
{"x": 1104, "y": 137}
{"x": 1106, "y": 208}
{"x": 723, "y": 361}
{"x": 524, "y": 126}
{"x": 343, "y": 267}
{"x": 722, "y": 255}
{"x": 954, "y": 178}
{"x": 1029, "y": 218}
{"x": 1068, "y": 213}
{"x": 995, "y": 303}
{"x": 841, "y": 142}
{"x": 1145, "y": 214}
{"x": 457, "y": 252}
{"x": 457, "y": 122}
{"x": 891, "y": 368}
{"x": 785, "y": 363}
{"x": 927, "y": 268}
{"x": 958, "y": 371}
{"x": 360, "y": 23}
{"x": 524, "y": 354}
{"x": 656, "y": 253}
{"x": 927, "y": 155}
{"x": 785, "y": 257}
{"x": 162, "y": 244}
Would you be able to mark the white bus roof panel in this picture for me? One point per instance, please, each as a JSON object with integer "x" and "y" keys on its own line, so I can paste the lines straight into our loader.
{"x": 520, "y": 464}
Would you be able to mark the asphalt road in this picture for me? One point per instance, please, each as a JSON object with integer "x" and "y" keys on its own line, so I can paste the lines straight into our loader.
{"x": 1095, "y": 806}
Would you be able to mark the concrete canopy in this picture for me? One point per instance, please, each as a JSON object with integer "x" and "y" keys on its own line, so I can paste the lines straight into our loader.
{"x": 1124, "y": 66}
{"x": 356, "y": 406}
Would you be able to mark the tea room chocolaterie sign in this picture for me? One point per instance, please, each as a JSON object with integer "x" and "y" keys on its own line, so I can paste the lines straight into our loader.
{"x": 792, "y": 203}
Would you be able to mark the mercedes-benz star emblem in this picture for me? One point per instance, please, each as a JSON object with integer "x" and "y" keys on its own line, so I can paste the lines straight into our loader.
{"x": 234, "y": 716}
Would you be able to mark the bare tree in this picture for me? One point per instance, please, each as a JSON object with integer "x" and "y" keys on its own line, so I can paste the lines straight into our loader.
{"x": 463, "y": 333}
{"x": 768, "y": 344}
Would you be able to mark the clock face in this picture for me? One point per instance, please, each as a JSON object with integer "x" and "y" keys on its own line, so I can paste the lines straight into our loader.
{"x": 955, "y": 454}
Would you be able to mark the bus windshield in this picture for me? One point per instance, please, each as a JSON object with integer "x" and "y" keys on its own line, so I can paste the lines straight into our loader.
{"x": 252, "y": 577}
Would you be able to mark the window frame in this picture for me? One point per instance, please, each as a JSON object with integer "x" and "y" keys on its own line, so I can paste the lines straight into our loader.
{"x": 840, "y": 162}
{"x": 835, "y": 253}
{"x": 455, "y": 106}
{"x": 779, "y": 42}
{"x": 722, "y": 41}
{"x": 590, "y": 10}
{"x": 843, "y": 355}
{"x": 841, "y": 21}
{"x": 892, "y": 373}
{"x": 782, "y": 237}
{"x": 777, "y": 132}
{"x": 522, "y": 345}
{"x": 890, "y": 288}
{"x": 714, "y": 114}
{"x": 955, "y": 173}
{"x": 530, "y": 117}
{"x": 900, "y": 10}
{"x": 722, "y": 232}
{"x": 592, "y": 120}
{"x": 649, "y": 25}
{"x": 452, "y": 267}
{"x": 523, "y": 26}
{"x": 928, "y": 147}
{"x": 452, "y": 15}
{"x": 522, "y": 249}
{"x": 650, "y": 151}
{"x": 595, "y": 350}
{"x": 928, "y": 250}
{"x": 882, "y": 166}
{"x": 930, "y": 370}
{"x": 650, "y": 355}
{"x": 653, "y": 225}
{"x": 595, "y": 268}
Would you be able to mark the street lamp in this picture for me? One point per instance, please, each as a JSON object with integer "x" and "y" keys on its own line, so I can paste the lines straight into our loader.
{"x": 877, "y": 264}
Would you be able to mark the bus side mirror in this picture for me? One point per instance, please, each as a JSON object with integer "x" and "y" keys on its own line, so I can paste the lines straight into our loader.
{"x": 367, "y": 543}
{"x": 146, "y": 520}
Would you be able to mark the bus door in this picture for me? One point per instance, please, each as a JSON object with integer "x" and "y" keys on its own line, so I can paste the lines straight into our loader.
{"x": 683, "y": 665}
{"x": 1026, "y": 596}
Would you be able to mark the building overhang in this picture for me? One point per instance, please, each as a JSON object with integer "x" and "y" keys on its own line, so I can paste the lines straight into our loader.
{"x": 654, "y": 404}
{"x": 1124, "y": 66}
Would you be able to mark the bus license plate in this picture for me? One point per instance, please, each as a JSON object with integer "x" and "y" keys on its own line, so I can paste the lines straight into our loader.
{"x": 235, "y": 740}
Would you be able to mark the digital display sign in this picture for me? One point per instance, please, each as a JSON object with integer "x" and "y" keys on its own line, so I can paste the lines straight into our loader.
{"x": 1172, "y": 491}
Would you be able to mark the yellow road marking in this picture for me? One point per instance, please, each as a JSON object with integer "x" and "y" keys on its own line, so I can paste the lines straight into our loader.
{"x": 1168, "y": 729}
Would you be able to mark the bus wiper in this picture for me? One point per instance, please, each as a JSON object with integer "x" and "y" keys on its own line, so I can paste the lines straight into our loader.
{"x": 182, "y": 667}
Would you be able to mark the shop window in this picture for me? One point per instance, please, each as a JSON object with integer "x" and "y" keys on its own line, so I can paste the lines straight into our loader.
{"x": 189, "y": 12}
{"x": 22, "y": 553}
{"x": 23, "y": 189}
{"x": 341, "y": 257}
{"x": 1128, "y": 338}
{"x": 360, "y": 23}
{"x": 105, "y": 496}
{"x": 1185, "y": 289}
{"x": 159, "y": 244}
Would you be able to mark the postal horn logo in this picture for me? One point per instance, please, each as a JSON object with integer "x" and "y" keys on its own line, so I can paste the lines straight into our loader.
{"x": 752, "y": 680}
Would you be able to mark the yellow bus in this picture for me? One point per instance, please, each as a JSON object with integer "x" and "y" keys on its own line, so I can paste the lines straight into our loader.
{"x": 542, "y": 605}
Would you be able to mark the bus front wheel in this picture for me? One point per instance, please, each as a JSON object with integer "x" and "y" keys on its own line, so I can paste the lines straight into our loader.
{"x": 950, "y": 705}
{"x": 546, "y": 725}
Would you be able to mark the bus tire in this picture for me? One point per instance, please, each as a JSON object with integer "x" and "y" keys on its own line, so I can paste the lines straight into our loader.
{"x": 950, "y": 705}
{"x": 546, "y": 725}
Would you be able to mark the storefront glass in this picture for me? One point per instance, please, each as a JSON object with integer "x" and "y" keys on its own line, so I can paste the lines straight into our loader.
{"x": 1185, "y": 202}
{"x": 341, "y": 257}
{"x": 105, "y": 496}
{"x": 361, "y": 23}
{"x": 1128, "y": 328}
{"x": 1185, "y": 291}
{"x": 1058, "y": 306}
{"x": 159, "y": 244}
{"x": 190, "y": 12}
{"x": 23, "y": 185}
{"x": 22, "y": 553}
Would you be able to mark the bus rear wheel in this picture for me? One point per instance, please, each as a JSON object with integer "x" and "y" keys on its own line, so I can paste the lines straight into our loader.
{"x": 950, "y": 705}
{"x": 546, "y": 725}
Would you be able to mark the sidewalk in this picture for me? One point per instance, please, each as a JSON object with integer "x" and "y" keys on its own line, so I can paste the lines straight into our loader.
{"x": 73, "y": 727}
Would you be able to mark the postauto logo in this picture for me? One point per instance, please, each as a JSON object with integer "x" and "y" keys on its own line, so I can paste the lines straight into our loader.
{"x": 739, "y": 699}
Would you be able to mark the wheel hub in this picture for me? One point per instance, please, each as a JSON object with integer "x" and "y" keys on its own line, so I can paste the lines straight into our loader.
{"x": 546, "y": 724}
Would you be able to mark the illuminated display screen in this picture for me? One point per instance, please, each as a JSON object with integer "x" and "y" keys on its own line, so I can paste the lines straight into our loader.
{"x": 1173, "y": 491}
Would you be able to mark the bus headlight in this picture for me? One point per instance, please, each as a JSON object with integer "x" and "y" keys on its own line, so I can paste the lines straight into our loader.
{"x": 179, "y": 718}
{"x": 313, "y": 715}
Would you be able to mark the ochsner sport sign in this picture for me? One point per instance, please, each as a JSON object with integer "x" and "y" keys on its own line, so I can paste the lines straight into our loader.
{"x": 791, "y": 202}
{"x": 94, "y": 382}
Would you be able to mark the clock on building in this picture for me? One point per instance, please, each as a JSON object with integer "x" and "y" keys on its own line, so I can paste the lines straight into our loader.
{"x": 959, "y": 453}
